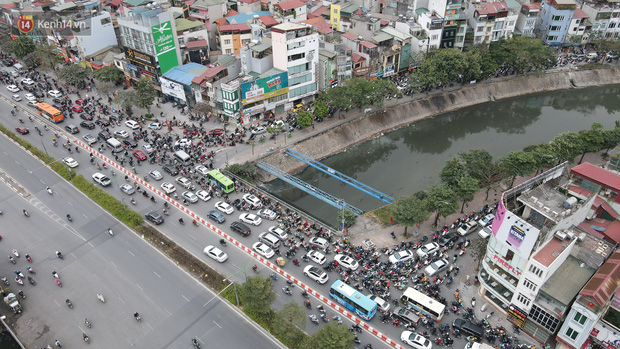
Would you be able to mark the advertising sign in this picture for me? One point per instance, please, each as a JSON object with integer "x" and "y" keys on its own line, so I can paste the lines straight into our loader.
{"x": 140, "y": 58}
{"x": 517, "y": 316}
{"x": 264, "y": 88}
{"x": 517, "y": 234}
{"x": 165, "y": 46}
{"x": 172, "y": 88}
{"x": 499, "y": 216}
{"x": 25, "y": 23}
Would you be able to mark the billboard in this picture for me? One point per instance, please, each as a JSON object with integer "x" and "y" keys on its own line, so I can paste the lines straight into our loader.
{"x": 264, "y": 88}
{"x": 517, "y": 234}
{"x": 499, "y": 216}
{"x": 139, "y": 57}
{"x": 165, "y": 46}
{"x": 172, "y": 88}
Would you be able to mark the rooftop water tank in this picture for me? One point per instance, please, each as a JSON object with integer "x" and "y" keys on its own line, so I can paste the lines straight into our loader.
{"x": 570, "y": 202}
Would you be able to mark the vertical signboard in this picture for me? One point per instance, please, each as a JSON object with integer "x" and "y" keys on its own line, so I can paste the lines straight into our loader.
{"x": 499, "y": 216}
{"x": 165, "y": 46}
{"x": 517, "y": 234}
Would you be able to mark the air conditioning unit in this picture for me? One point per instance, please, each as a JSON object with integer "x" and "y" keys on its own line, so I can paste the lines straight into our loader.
{"x": 560, "y": 235}
{"x": 571, "y": 234}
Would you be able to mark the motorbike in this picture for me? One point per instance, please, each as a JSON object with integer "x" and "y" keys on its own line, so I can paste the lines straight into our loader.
{"x": 85, "y": 337}
{"x": 69, "y": 218}
{"x": 137, "y": 317}
{"x": 133, "y": 201}
{"x": 21, "y": 294}
{"x": 100, "y": 297}
{"x": 5, "y": 280}
{"x": 181, "y": 221}
{"x": 58, "y": 282}
{"x": 49, "y": 190}
{"x": 32, "y": 282}
{"x": 314, "y": 319}
{"x": 223, "y": 242}
{"x": 69, "y": 304}
{"x": 305, "y": 294}
{"x": 59, "y": 255}
{"x": 16, "y": 253}
{"x": 195, "y": 223}
{"x": 28, "y": 257}
{"x": 473, "y": 301}
{"x": 166, "y": 213}
{"x": 195, "y": 343}
{"x": 287, "y": 290}
{"x": 87, "y": 323}
{"x": 31, "y": 270}
{"x": 12, "y": 259}
{"x": 307, "y": 304}
{"x": 356, "y": 328}
{"x": 110, "y": 232}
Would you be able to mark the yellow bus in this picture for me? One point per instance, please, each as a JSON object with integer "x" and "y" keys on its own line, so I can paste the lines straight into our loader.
{"x": 50, "y": 113}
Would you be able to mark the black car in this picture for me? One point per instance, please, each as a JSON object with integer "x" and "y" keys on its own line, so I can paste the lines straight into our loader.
{"x": 72, "y": 129}
{"x": 104, "y": 135}
{"x": 449, "y": 238}
{"x": 240, "y": 228}
{"x": 38, "y": 94}
{"x": 58, "y": 100}
{"x": 129, "y": 143}
{"x": 171, "y": 170}
{"x": 88, "y": 124}
{"x": 406, "y": 315}
{"x": 136, "y": 134}
{"x": 102, "y": 122}
{"x": 7, "y": 62}
{"x": 86, "y": 117}
{"x": 29, "y": 88}
{"x": 43, "y": 85}
{"x": 154, "y": 217}
{"x": 216, "y": 216}
{"x": 468, "y": 327}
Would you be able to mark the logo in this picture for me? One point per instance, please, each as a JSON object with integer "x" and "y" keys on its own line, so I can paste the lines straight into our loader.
{"x": 163, "y": 28}
{"x": 25, "y": 23}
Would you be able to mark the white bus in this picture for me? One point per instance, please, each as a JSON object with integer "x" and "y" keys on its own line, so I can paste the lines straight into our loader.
{"x": 426, "y": 305}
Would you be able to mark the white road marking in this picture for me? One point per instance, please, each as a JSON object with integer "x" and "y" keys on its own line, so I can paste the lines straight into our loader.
{"x": 185, "y": 298}
{"x": 131, "y": 253}
{"x": 235, "y": 266}
{"x": 216, "y": 324}
{"x": 17, "y": 162}
{"x": 167, "y": 312}
{"x": 140, "y": 287}
{"x": 149, "y": 326}
{"x": 157, "y": 275}
{"x": 70, "y": 203}
{"x": 85, "y": 216}
{"x": 192, "y": 236}
{"x": 114, "y": 265}
{"x": 91, "y": 245}
{"x": 122, "y": 300}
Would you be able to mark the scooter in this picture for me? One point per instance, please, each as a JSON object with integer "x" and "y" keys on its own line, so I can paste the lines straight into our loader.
{"x": 87, "y": 323}
{"x": 32, "y": 282}
{"x": 58, "y": 282}
{"x": 287, "y": 290}
{"x": 314, "y": 319}
{"x": 5, "y": 280}
{"x": 110, "y": 232}
{"x": 49, "y": 190}
{"x": 16, "y": 253}
{"x": 100, "y": 297}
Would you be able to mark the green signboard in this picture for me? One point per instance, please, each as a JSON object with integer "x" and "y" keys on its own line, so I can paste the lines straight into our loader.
{"x": 165, "y": 46}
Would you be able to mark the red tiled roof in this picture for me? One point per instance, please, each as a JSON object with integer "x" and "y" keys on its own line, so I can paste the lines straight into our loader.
{"x": 597, "y": 175}
{"x": 602, "y": 228}
{"x": 221, "y": 21}
{"x": 358, "y": 12}
{"x": 532, "y": 6}
{"x": 579, "y": 13}
{"x": 289, "y": 5}
{"x": 249, "y": 1}
{"x": 582, "y": 193}
{"x": 231, "y": 13}
{"x": 211, "y": 72}
{"x": 196, "y": 43}
{"x": 8, "y": 6}
{"x": 318, "y": 12}
{"x": 243, "y": 27}
{"x": 114, "y": 3}
{"x": 350, "y": 36}
{"x": 325, "y": 30}
{"x": 605, "y": 282}
{"x": 357, "y": 58}
{"x": 43, "y": 3}
{"x": 550, "y": 252}
{"x": 320, "y": 25}
{"x": 599, "y": 204}
{"x": 268, "y": 21}
{"x": 368, "y": 44}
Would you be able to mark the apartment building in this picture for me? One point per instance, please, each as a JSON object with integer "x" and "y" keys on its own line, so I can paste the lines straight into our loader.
{"x": 526, "y": 19}
{"x": 234, "y": 36}
{"x": 454, "y": 22}
{"x": 604, "y": 17}
{"x": 291, "y": 11}
{"x": 207, "y": 11}
{"x": 554, "y": 20}
{"x": 491, "y": 21}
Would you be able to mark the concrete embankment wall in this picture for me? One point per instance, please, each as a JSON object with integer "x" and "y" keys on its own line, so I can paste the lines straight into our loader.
{"x": 362, "y": 129}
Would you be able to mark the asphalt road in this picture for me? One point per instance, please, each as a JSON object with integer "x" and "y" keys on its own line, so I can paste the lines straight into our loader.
{"x": 127, "y": 271}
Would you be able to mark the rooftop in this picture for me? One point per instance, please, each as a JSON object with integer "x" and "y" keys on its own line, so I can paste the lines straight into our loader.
{"x": 185, "y": 73}
{"x": 593, "y": 251}
{"x": 368, "y": 44}
{"x": 597, "y": 175}
{"x": 244, "y": 17}
{"x": 196, "y": 43}
{"x": 357, "y": 58}
{"x": 290, "y": 26}
{"x": 551, "y": 251}
{"x": 183, "y": 24}
{"x": 605, "y": 282}
{"x": 397, "y": 34}
{"x": 602, "y": 228}
{"x": 547, "y": 201}
{"x": 579, "y": 13}
{"x": 381, "y": 36}
{"x": 264, "y": 45}
{"x": 318, "y": 12}
{"x": 228, "y": 28}
{"x": 289, "y": 5}
{"x": 566, "y": 282}
{"x": 268, "y": 21}
{"x": 349, "y": 36}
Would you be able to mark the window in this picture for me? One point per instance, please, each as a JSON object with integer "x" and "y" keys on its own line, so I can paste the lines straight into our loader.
{"x": 300, "y": 79}
{"x": 434, "y": 37}
{"x": 580, "y": 318}
{"x": 554, "y": 28}
{"x": 557, "y": 18}
{"x": 572, "y": 334}
{"x": 296, "y": 56}
{"x": 227, "y": 42}
{"x": 543, "y": 318}
{"x": 534, "y": 269}
{"x": 552, "y": 38}
{"x": 509, "y": 255}
{"x": 529, "y": 284}
{"x": 228, "y": 51}
{"x": 335, "y": 11}
{"x": 298, "y": 69}
{"x": 524, "y": 300}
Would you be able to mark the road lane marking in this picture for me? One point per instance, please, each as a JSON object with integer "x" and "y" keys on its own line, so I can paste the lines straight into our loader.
{"x": 17, "y": 162}
{"x": 233, "y": 264}
{"x": 167, "y": 311}
{"x": 149, "y": 326}
{"x": 140, "y": 287}
{"x": 216, "y": 324}
{"x": 113, "y": 264}
{"x": 131, "y": 253}
{"x": 91, "y": 245}
{"x": 70, "y": 204}
{"x": 185, "y": 298}
{"x": 192, "y": 236}
{"x": 85, "y": 216}
{"x": 157, "y": 275}
{"x": 122, "y": 300}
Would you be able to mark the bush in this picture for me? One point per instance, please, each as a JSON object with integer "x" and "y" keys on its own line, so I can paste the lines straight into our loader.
{"x": 247, "y": 171}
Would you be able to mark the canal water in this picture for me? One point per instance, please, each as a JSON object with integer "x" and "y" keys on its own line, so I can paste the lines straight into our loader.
{"x": 407, "y": 160}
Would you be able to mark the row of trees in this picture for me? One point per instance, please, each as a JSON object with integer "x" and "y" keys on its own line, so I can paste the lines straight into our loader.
{"x": 468, "y": 172}
{"x": 355, "y": 93}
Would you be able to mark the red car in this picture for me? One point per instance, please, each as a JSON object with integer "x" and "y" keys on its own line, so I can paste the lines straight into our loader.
{"x": 80, "y": 102}
{"x": 216, "y": 132}
{"x": 22, "y": 129}
{"x": 77, "y": 109}
{"x": 191, "y": 131}
{"x": 139, "y": 155}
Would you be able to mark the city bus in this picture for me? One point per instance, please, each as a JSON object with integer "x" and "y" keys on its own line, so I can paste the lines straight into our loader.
{"x": 426, "y": 305}
{"x": 353, "y": 300}
{"x": 50, "y": 113}
{"x": 221, "y": 181}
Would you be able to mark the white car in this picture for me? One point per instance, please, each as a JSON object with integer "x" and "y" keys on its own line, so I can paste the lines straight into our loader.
{"x": 467, "y": 228}
{"x": 70, "y": 162}
{"x": 12, "y": 88}
{"x": 203, "y": 195}
{"x": 319, "y": 242}
{"x": 147, "y": 148}
{"x": 202, "y": 170}
{"x": 183, "y": 142}
{"x": 32, "y": 104}
{"x": 184, "y": 182}
{"x": 415, "y": 340}
{"x": 316, "y": 274}
{"x": 132, "y": 124}
{"x": 54, "y": 93}
{"x": 27, "y": 81}
{"x": 263, "y": 250}
{"x": 346, "y": 262}
{"x": 401, "y": 256}
{"x": 486, "y": 220}
{"x": 278, "y": 232}
{"x": 317, "y": 257}
{"x": 190, "y": 196}
{"x": 436, "y": 267}
{"x": 121, "y": 134}
{"x": 267, "y": 214}
{"x": 101, "y": 179}
{"x": 259, "y": 130}
{"x": 252, "y": 200}
{"x": 250, "y": 218}
{"x": 127, "y": 189}
{"x": 16, "y": 98}
{"x": 155, "y": 126}
{"x": 90, "y": 139}
{"x": 156, "y": 175}
{"x": 168, "y": 188}
{"x": 224, "y": 207}
{"x": 30, "y": 97}
{"x": 427, "y": 249}
{"x": 485, "y": 232}
{"x": 215, "y": 253}
{"x": 383, "y": 305}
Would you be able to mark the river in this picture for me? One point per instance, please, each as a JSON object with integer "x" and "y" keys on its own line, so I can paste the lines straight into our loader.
{"x": 407, "y": 160}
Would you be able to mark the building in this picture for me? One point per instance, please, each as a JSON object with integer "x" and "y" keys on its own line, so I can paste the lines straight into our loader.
{"x": 207, "y": 86}
{"x": 453, "y": 21}
{"x": 296, "y": 51}
{"x": 207, "y": 11}
{"x": 491, "y": 21}
{"x": 579, "y": 29}
{"x": 604, "y": 18}
{"x": 554, "y": 20}
{"x": 234, "y": 36}
{"x": 263, "y": 94}
{"x": 327, "y": 73}
{"x": 257, "y": 57}
{"x": 192, "y": 40}
{"x": 176, "y": 84}
{"x": 432, "y": 24}
{"x": 291, "y": 11}
{"x": 526, "y": 20}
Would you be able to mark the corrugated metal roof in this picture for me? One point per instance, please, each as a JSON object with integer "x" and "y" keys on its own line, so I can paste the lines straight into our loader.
{"x": 605, "y": 282}
{"x": 289, "y": 5}
{"x": 597, "y": 175}
{"x": 185, "y": 73}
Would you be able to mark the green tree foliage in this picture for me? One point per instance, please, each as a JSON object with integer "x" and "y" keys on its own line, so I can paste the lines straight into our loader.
{"x": 201, "y": 108}
{"x": 6, "y": 42}
{"x": 48, "y": 56}
{"x": 246, "y": 170}
{"x": 256, "y": 295}
{"x": 22, "y": 45}
{"x": 442, "y": 199}
{"x": 518, "y": 163}
{"x": 592, "y": 139}
{"x": 465, "y": 189}
{"x": 452, "y": 172}
{"x": 606, "y": 44}
{"x": 107, "y": 88}
{"x": 304, "y": 118}
{"x": 292, "y": 316}
{"x": 126, "y": 100}
{"x": 332, "y": 336}
{"x": 521, "y": 52}
{"x": 110, "y": 73}
{"x": 337, "y": 98}
{"x": 409, "y": 211}
{"x": 567, "y": 146}
{"x": 145, "y": 93}
{"x": 30, "y": 61}
{"x": 612, "y": 138}
{"x": 349, "y": 217}
{"x": 73, "y": 74}
{"x": 478, "y": 249}
{"x": 440, "y": 67}
{"x": 320, "y": 109}
{"x": 480, "y": 165}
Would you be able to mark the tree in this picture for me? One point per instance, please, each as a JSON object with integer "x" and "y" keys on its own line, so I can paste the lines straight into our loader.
{"x": 126, "y": 100}
{"x": 452, "y": 172}
{"x": 110, "y": 73}
{"x": 256, "y": 295}
{"x": 106, "y": 88}
{"x": 304, "y": 118}
{"x": 201, "y": 108}
{"x": 48, "y": 55}
{"x": 592, "y": 139}
{"x": 440, "y": 198}
{"x": 465, "y": 189}
{"x": 337, "y": 98}
{"x": 441, "y": 67}
{"x": 22, "y": 45}
{"x": 145, "y": 93}
{"x": 567, "y": 146}
{"x": 612, "y": 138}
{"x": 246, "y": 170}
{"x": 320, "y": 109}
{"x": 6, "y": 42}
{"x": 410, "y": 211}
{"x": 480, "y": 165}
{"x": 73, "y": 74}
{"x": 31, "y": 61}
{"x": 518, "y": 163}
{"x": 478, "y": 249}
{"x": 291, "y": 315}
{"x": 332, "y": 336}
{"x": 349, "y": 217}
{"x": 543, "y": 155}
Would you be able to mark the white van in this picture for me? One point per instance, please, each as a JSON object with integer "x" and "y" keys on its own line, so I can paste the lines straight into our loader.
{"x": 474, "y": 345}
{"x": 18, "y": 68}
{"x": 115, "y": 145}
{"x": 182, "y": 157}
